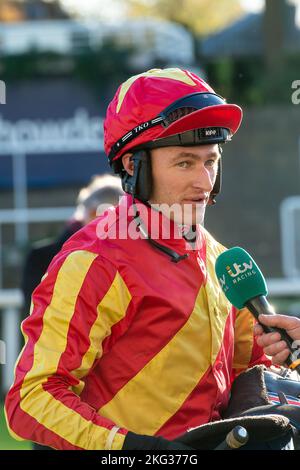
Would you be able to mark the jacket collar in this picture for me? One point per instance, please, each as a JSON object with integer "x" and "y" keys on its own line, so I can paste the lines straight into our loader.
{"x": 160, "y": 228}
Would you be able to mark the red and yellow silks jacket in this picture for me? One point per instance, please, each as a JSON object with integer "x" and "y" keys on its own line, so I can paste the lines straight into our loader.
{"x": 121, "y": 336}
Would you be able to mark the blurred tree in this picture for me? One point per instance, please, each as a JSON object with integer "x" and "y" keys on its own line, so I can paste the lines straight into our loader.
{"x": 274, "y": 31}
{"x": 22, "y": 10}
{"x": 201, "y": 17}
{"x": 10, "y": 11}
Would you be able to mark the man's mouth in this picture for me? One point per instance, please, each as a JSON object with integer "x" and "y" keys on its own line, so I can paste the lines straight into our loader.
{"x": 197, "y": 200}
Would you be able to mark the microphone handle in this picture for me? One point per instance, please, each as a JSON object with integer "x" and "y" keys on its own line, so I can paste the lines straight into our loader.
{"x": 235, "y": 439}
{"x": 223, "y": 446}
{"x": 259, "y": 305}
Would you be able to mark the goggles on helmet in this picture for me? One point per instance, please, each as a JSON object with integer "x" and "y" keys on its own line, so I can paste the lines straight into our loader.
{"x": 208, "y": 135}
{"x": 187, "y": 104}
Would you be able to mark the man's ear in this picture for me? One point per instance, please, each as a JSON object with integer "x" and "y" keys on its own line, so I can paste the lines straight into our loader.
{"x": 128, "y": 163}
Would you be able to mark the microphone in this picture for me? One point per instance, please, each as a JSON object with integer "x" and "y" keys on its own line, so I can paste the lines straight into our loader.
{"x": 244, "y": 286}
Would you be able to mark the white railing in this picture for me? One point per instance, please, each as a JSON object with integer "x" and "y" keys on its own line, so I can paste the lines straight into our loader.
{"x": 84, "y": 135}
{"x": 23, "y": 217}
{"x": 284, "y": 287}
{"x": 11, "y": 302}
{"x": 289, "y": 224}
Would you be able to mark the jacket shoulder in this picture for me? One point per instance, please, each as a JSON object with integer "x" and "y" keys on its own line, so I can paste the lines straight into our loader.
{"x": 95, "y": 237}
{"x": 214, "y": 248}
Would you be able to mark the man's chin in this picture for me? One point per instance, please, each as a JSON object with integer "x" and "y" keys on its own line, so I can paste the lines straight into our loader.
{"x": 183, "y": 213}
{"x": 191, "y": 215}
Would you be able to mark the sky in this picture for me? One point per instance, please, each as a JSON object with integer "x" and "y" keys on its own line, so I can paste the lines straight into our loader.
{"x": 114, "y": 9}
{"x": 110, "y": 9}
{"x": 252, "y": 5}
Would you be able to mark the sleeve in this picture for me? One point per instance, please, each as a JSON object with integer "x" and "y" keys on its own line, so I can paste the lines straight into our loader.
{"x": 62, "y": 342}
{"x": 247, "y": 353}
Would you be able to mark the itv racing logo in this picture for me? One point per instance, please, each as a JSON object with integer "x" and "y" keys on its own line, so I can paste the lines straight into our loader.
{"x": 238, "y": 273}
{"x": 239, "y": 269}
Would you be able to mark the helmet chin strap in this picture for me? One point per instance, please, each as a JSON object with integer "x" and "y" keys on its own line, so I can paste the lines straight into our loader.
{"x": 175, "y": 257}
{"x": 130, "y": 184}
{"x": 139, "y": 185}
{"x": 218, "y": 183}
{"x": 212, "y": 200}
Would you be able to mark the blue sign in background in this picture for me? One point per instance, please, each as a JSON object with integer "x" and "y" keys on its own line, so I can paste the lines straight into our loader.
{"x": 53, "y": 100}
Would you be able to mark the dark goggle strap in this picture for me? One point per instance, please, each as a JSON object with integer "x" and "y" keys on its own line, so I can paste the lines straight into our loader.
{"x": 132, "y": 135}
{"x": 193, "y": 101}
{"x": 209, "y": 135}
{"x": 217, "y": 186}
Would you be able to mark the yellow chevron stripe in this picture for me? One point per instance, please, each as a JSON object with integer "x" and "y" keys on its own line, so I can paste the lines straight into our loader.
{"x": 243, "y": 332}
{"x": 218, "y": 305}
{"x": 150, "y": 398}
{"x": 111, "y": 310}
{"x": 172, "y": 73}
{"x": 47, "y": 352}
{"x": 155, "y": 394}
{"x": 11, "y": 432}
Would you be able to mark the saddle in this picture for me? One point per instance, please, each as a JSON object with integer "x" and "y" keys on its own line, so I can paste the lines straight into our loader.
{"x": 264, "y": 402}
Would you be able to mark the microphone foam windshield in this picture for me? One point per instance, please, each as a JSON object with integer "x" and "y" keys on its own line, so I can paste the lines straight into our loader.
{"x": 239, "y": 276}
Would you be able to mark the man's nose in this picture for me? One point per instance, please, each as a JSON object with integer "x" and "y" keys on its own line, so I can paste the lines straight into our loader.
{"x": 203, "y": 179}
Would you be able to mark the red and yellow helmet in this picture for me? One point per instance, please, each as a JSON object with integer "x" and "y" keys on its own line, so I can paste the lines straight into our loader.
{"x": 161, "y": 104}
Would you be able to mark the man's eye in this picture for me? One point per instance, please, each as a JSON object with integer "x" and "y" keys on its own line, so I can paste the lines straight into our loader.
{"x": 211, "y": 163}
{"x": 184, "y": 164}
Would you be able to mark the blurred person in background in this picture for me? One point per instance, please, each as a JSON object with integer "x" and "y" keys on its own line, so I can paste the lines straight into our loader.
{"x": 102, "y": 190}
{"x": 131, "y": 341}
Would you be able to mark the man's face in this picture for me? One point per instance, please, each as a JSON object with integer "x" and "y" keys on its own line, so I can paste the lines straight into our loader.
{"x": 183, "y": 177}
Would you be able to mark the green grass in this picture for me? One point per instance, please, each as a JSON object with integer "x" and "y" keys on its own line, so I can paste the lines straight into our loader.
{"x": 6, "y": 441}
